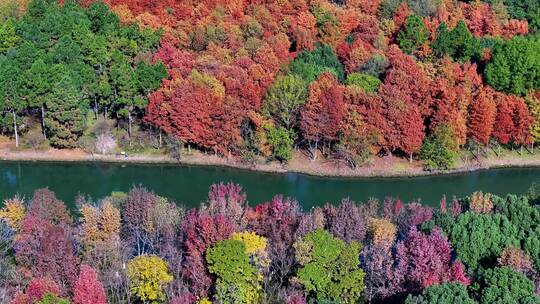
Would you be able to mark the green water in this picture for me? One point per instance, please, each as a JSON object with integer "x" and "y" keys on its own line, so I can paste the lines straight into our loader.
{"x": 188, "y": 185}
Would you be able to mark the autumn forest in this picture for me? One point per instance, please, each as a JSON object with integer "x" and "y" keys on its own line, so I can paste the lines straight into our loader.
{"x": 342, "y": 80}
{"x": 138, "y": 247}
{"x": 419, "y": 79}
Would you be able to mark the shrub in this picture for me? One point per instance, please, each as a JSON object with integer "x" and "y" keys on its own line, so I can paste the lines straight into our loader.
{"x": 105, "y": 143}
{"x": 439, "y": 149}
{"x": 282, "y": 141}
{"x": 35, "y": 140}
{"x": 174, "y": 146}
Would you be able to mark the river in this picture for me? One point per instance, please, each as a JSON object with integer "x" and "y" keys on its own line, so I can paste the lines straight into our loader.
{"x": 188, "y": 185}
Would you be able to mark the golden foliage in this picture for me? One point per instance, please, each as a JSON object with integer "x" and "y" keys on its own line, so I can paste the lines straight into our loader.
{"x": 382, "y": 231}
{"x": 99, "y": 225}
{"x": 481, "y": 202}
{"x": 13, "y": 212}
{"x": 516, "y": 259}
{"x": 148, "y": 274}
{"x": 254, "y": 243}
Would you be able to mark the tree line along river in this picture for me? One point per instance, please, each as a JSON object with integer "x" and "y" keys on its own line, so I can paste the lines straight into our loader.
{"x": 188, "y": 185}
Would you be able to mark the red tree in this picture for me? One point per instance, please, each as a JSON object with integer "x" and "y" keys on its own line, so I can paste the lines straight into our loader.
{"x": 35, "y": 291}
{"x": 522, "y": 123}
{"x": 406, "y": 93}
{"x": 46, "y": 206}
{"x": 88, "y": 289}
{"x": 43, "y": 249}
{"x": 196, "y": 115}
{"x": 321, "y": 116}
{"x": 427, "y": 259}
{"x": 200, "y": 232}
{"x": 482, "y": 115}
{"x": 412, "y": 131}
{"x": 504, "y": 120}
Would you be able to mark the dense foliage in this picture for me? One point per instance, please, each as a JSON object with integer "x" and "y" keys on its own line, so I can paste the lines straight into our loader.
{"x": 138, "y": 247}
{"x": 350, "y": 79}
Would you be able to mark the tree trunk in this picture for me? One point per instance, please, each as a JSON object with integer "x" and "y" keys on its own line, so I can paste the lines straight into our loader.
{"x": 95, "y": 108}
{"x": 15, "y": 128}
{"x": 521, "y": 150}
{"x": 43, "y": 121}
{"x": 160, "y": 139}
{"x": 314, "y": 151}
{"x": 410, "y": 157}
{"x": 129, "y": 127}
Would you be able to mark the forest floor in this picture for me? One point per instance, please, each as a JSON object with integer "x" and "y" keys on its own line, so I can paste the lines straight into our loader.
{"x": 386, "y": 166}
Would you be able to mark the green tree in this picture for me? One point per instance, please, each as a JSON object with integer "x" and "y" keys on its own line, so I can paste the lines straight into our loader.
{"x": 490, "y": 234}
{"x": 284, "y": 99}
{"x": 8, "y": 36}
{"x": 526, "y": 218}
{"x": 439, "y": 149}
{"x": 39, "y": 83}
{"x": 515, "y": 65}
{"x": 237, "y": 280}
{"x": 131, "y": 85}
{"x": 329, "y": 267}
{"x": 521, "y": 9}
{"x": 12, "y": 101}
{"x": 282, "y": 141}
{"x": 458, "y": 43}
{"x": 65, "y": 119}
{"x": 368, "y": 83}
{"x": 505, "y": 285}
{"x": 447, "y": 293}
{"x": 413, "y": 34}
{"x": 310, "y": 64}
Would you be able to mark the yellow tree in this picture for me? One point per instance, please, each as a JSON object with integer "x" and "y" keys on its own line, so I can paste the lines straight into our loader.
{"x": 383, "y": 232}
{"x": 99, "y": 225}
{"x": 148, "y": 275}
{"x": 255, "y": 247}
{"x": 13, "y": 212}
{"x": 481, "y": 202}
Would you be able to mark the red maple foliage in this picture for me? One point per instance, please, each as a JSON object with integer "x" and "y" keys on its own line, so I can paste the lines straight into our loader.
{"x": 88, "y": 289}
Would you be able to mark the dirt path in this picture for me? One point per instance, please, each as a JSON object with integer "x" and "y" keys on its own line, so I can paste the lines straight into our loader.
{"x": 379, "y": 166}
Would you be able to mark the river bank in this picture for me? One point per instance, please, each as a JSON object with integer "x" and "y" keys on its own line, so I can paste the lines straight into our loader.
{"x": 388, "y": 166}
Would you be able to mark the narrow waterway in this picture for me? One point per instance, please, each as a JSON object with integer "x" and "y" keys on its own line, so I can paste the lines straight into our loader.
{"x": 188, "y": 185}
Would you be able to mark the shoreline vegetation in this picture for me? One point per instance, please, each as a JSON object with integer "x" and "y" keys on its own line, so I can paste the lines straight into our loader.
{"x": 386, "y": 166}
{"x": 334, "y": 86}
